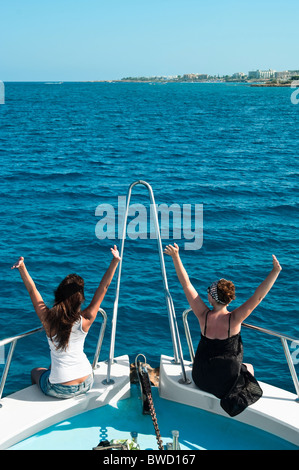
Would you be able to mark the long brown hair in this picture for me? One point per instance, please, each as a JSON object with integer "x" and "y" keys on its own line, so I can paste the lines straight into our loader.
{"x": 66, "y": 310}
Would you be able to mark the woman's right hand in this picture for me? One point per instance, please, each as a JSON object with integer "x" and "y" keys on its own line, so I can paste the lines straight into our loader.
{"x": 276, "y": 265}
{"x": 115, "y": 253}
{"x": 19, "y": 263}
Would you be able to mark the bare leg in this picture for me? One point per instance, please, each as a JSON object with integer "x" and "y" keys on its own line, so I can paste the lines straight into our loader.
{"x": 36, "y": 373}
{"x": 250, "y": 368}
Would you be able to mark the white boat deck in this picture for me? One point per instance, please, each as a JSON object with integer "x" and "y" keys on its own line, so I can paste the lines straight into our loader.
{"x": 276, "y": 412}
{"x": 29, "y": 411}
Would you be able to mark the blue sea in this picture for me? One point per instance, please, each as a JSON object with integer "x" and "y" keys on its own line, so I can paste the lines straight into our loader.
{"x": 67, "y": 148}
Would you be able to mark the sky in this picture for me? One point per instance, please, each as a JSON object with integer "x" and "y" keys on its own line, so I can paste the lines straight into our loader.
{"x": 74, "y": 40}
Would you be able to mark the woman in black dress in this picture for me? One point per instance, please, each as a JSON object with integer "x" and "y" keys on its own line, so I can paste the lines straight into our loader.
{"x": 218, "y": 365}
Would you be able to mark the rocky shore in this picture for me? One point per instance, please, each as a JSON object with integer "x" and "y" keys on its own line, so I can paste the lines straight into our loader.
{"x": 271, "y": 84}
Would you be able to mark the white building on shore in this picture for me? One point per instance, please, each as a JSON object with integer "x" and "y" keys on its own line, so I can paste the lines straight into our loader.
{"x": 268, "y": 74}
{"x": 239, "y": 75}
{"x": 262, "y": 74}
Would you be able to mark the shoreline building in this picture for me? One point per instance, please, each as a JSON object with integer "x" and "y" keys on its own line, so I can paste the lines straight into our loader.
{"x": 194, "y": 77}
{"x": 285, "y": 75}
{"x": 239, "y": 76}
{"x": 264, "y": 74}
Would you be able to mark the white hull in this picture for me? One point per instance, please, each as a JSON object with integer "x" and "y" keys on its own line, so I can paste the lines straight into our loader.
{"x": 277, "y": 412}
{"x": 29, "y": 411}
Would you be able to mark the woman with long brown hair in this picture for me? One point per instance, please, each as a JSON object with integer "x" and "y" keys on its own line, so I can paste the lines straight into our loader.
{"x": 218, "y": 364}
{"x": 66, "y": 327}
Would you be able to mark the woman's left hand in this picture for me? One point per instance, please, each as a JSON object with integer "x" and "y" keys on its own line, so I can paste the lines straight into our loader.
{"x": 19, "y": 263}
{"x": 172, "y": 250}
{"x": 115, "y": 253}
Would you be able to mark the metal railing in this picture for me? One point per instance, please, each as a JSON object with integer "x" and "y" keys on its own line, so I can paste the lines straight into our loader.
{"x": 177, "y": 349}
{"x": 14, "y": 339}
{"x": 13, "y": 342}
{"x": 100, "y": 339}
{"x": 283, "y": 338}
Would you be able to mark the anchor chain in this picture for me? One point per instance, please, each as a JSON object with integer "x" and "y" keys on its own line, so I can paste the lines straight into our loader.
{"x": 148, "y": 392}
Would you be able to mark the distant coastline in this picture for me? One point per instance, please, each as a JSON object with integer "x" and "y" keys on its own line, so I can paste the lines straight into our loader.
{"x": 258, "y": 78}
{"x": 245, "y": 82}
{"x": 252, "y": 83}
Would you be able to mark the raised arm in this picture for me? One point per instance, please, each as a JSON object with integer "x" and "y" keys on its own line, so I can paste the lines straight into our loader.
{"x": 37, "y": 301}
{"x": 242, "y": 312}
{"x": 194, "y": 300}
{"x": 90, "y": 313}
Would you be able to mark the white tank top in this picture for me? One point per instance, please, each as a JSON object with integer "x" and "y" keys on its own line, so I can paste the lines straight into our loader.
{"x": 72, "y": 363}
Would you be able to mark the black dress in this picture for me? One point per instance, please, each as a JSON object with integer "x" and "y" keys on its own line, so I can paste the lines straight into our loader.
{"x": 218, "y": 369}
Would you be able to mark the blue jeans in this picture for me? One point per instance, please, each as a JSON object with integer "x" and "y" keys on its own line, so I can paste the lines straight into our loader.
{"x": 63, "y": 391}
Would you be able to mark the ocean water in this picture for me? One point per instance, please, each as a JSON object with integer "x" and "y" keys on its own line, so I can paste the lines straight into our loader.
{"x": 65, "y": 149}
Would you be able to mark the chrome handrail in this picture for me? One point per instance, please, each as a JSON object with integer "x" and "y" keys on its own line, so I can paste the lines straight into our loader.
{"x": 14, "y": 339}
{"x": 284, "y": 338}
{"x": 100, "y": 340}
{"x": 177, "y": 349}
